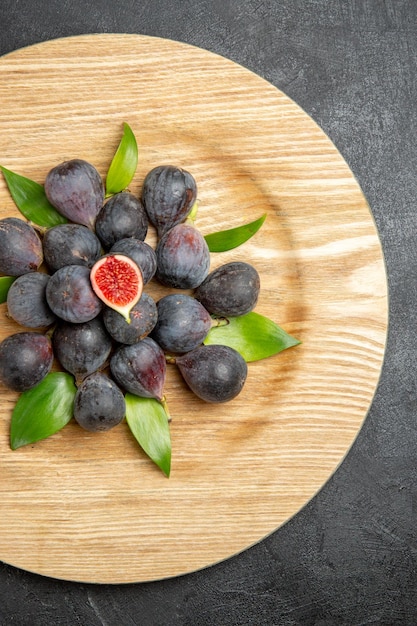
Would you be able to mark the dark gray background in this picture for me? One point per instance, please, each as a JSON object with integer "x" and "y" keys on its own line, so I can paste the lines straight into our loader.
{"x": 349, "y": 557}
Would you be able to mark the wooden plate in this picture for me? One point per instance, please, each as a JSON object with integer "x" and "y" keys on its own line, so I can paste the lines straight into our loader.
{"x": 93, "y": 508}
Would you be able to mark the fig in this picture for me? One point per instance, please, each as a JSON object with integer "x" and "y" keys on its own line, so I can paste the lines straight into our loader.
{"x": 142, "y": 254}
{"x": 183, "y": 258}
{"x": 76, "y": 190}
{"x": 81, "y": 349}
{"x": 20, "y": 247}
{"x": 168, "y": 195}
{"x": 140, "y": 368}
{"x": 99, "y": 405}
{"x": 215, "y": 373}
{"x": 118, "y": 282}
{"x": 122, "y": 216}
{"x": 26, "y": 301}
{"x": 25, "y": 359}
{"x": 70, "y": 244}
{"x": 230, "y": 290}
{"x": 143, "y": 318}
{"x": 70, "y": 295}
{"x": 182, "y": 324}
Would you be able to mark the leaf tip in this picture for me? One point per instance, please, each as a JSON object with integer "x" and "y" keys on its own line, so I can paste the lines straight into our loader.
{"x": 166, "y": 470}
{"x": 16, "y": 443}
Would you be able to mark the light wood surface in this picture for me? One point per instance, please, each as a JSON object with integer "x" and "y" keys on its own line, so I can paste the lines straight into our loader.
{"x": 92, "y": 507}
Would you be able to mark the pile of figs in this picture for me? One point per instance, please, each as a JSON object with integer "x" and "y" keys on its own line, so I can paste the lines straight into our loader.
{"x": 80, "y": 294}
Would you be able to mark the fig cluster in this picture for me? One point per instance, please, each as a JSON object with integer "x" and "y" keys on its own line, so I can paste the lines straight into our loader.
{"x": 103, "y": 327}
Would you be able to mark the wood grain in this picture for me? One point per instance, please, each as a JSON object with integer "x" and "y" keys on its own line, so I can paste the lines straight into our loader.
{"x": 93, "y": 508}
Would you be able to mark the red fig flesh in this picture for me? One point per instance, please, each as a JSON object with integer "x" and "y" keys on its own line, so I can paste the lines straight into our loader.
{"x": 118, "y": 282}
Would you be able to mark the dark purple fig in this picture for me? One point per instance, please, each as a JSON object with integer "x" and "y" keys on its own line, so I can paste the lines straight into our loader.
{"x": 168, "y": 195}
{"x": 140, "y": 368}
{"x": 140, "y": 252}
{"x": 182, "y": 325}
{"x": 25, "y": 359}
{"x": 99, "y": 405}
{"x": 143, "y": 318}
{"x": 230, "y": 290}
{"x": 122, "y": 216}
{"x": 26, "y": 301}
{"x": 183, "y": 258}
{"x": 20, "y": 247}
{"x": 215, "y": 373}
{"x": 70, "y": 244}
{"x": 82, "y": 349}
{"x": 76, "y": 190}
{"x": 70, "y": 295}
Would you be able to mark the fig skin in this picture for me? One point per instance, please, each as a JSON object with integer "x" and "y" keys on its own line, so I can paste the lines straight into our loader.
{"x": 99, "y": 405}
{"x": 215, "y": 373}
{"x": 20, "y": 247}
{"x": 70, "y": 244}
{"x": 122, "y": 216}
{"x": 230, "y": 290}
{"x": 143, "y": 317}
{"x": 183, "y": 258}
{"x": 70, "y": 295}
{"x": 26, "y": 301}
{"x": 168, "y": 195}
{"x": 140, "y": 252}
{"x": 140, "y": 368}
{"x": 76, "y": 190}
{"x": 182, "y": 325}
{"x": 81, "y": 349}
{"x": 25, "y": 359}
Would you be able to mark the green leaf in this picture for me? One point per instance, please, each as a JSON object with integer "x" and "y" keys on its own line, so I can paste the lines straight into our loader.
{"x": 256, "y": 337}
{"x": 233, "y": 237}
{"x": 5, "y": 282}
{"x": 148, "y": 420}
{"x": 43, "y": 410}
{"x": 124, "y": 163}
{"x": 31, "y": 200}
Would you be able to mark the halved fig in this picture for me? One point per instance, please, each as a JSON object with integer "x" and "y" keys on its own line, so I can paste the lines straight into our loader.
{"x": 118, "y": 282}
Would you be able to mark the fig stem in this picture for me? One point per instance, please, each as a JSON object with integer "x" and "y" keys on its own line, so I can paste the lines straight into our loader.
{"x": 50, "y": 331}
{"x": 192, "y": 216}
{"x": 165, "y": 407}
{"x": 40, "y": 229}
{"x": 109, "y": 194}
{"x": 78, "y": 379}
{"x": 219, "y": 321}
